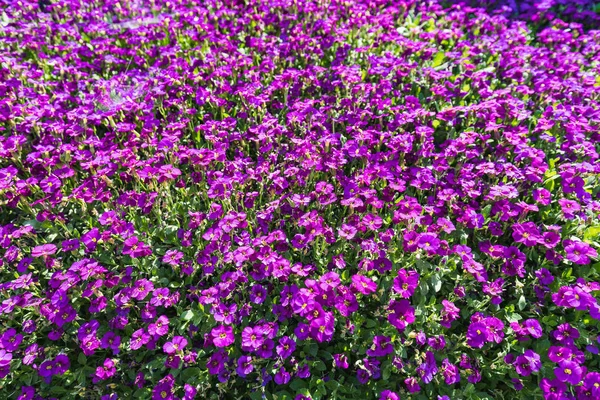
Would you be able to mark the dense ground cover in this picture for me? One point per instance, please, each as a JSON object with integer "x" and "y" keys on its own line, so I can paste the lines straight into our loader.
{"x": 299, "y": 199}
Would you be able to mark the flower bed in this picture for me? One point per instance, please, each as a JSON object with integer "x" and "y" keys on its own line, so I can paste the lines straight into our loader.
{"x": 299, "y": 199}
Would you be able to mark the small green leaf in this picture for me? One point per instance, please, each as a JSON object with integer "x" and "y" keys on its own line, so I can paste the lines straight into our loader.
{"x": 438, "y": 59}
{"x": 297, "y": 384}
{"x": 187, "y": 315}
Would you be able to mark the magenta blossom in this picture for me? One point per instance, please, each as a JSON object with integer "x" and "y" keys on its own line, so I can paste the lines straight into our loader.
{"x": 222, "y": 336}
{"x": 43, "y": 250}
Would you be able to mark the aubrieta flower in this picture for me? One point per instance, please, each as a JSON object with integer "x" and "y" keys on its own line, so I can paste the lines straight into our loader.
{"x": 381, "y": 347}
{"x": 105, "y": 371}
{"x": 401, "y": 314}
{"x": 322, "y": 328}
{"x": 591, "y": 383}
{"x": 177, "y": 344}
{"x": 527, "y": 363}
{"x": 222, "y": 336}
{"x": 10, "y": 340}
{"x": 252, "y": 338}
{"x": 286, "y": 347}
{"x": 282, "y": 377}
{"x": 363, "y": 285}
{"x": 388, "y": 395}
{"x": 405, "y": 283}
{"x": 526, "y": 233}
{"x": 5, "y": 358}
{"x": 347, "y": 231}
{"x": 138, "y": 339}
{"x": 43, "y": 250}
{"x": 569, "y": 371}
{"x": 173, "y": 258}
{"x": 553, "y": 389}
{"x": 579, "y": 252}
{"x": 427, "y": 369}
{"x": 341, "y": 361}
{"x": 134, "y": 248}
{"x": 488, "y": 329}
{"x": 160, "y": 327}
{"x": 244, "y": 366}
{"x": 450, "y": 372}
{"x": 164, "y": 389}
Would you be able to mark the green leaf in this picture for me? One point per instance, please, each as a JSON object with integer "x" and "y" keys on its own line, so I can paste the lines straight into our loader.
{"x": 522, "y": 303}
{"x": 187, "y": 315}
{"x": 297, "y": 384}
{"x": 436, "y": 283}
{"x": 593, "y": 232}
{"x": 438, "y": 59}
{"x": 190, "y": 374}
{"x": 313, "y": 349}
{"x": 371, "y": 323}
{"x": 320, "y": 366}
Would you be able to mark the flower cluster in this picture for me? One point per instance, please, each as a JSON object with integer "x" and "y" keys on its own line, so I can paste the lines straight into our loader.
{"x": 299, "y": 199}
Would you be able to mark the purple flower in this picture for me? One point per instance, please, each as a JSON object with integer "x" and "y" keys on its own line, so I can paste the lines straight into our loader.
{"x": 46, "y": 368}
{"x": 160, "y": 327}
{"x": 449, "y": 313}
{"x": 428, "y": 242}
{"x": 164, "y": 389}
{"x": 11, "y": 340}
{"x": 138, "y": 339}
{"x": 112, "y": 341}
{"x": 173, "y": 258}
{"x": 388, "y": 395}
{"x": 341, "y": 361}
{"x": 579, "y": 252}
{"x": 592, "y": 383}
{"x": 405, "y": 283}
{"x": 450, "y": 372}
{"x": 570, "y": 372}
{"x": 50, "y": 184}
{"x": 322, "y": 328}
{"x": 427, "y": 369}
{"x": 90, "y": 239}
{"x": 347, "y": 231}
{"x": 401, "y": 314}
{"x": 43, "y": 250}
{"x": 286, "y": 347}
{"x": 216, "y": 362}
{"x": 303, "y": 304}
{"x": 70, "y": 245}
{"x": 266, "y": 349}
{"x": 553, "y": 389}
{"x": 363, "y": 285}
{"x": 382, "y": 346}
{"x": 5, "y": 358}
{"x": 106, "y": 370}
{"x": 177, "y": 344}
{"x": 134, "y": 248}
{"x": 282, "y": 377}
{"x": 244, "y": 366}
{"x": 412, "y": 385}
{"x": 61, "y": 364}
{"x": 526, "y": 233}
{"x": 476, "y": 335}
{"x": 252, "y": 338}
{"x": 532, "y": 327}
{"x": 527, "y": 363}
{"x": 222, "y": 336}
